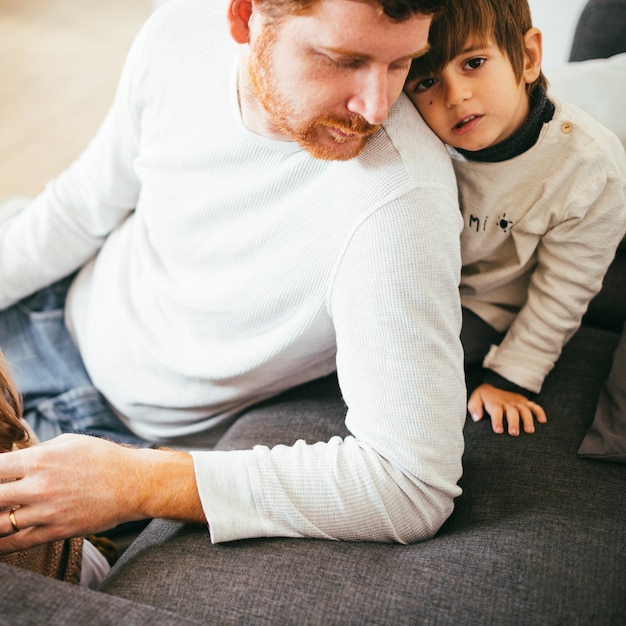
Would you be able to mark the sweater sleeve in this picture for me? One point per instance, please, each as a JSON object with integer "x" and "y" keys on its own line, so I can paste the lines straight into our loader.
{"x": 572, "y": 259}
{"x": 66, "y": 224}
{"x": 395, "y": 307}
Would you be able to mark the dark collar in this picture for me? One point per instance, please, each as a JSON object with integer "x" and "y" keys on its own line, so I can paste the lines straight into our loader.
{"x": 541, "y": 112}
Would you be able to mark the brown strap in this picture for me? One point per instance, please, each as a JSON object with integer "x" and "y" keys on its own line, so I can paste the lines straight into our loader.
{"x": 59, "y": 559}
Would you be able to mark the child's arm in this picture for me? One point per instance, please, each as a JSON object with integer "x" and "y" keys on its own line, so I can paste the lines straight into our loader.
{"x": 572, "y": 258}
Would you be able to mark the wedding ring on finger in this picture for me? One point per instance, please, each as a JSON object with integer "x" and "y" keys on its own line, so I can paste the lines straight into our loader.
{"x": 14, "y": 525}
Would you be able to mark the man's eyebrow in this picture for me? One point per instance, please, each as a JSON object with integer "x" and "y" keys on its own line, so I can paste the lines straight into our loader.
{"x": 357, "y": 55}
{"x": 420, "y": 53}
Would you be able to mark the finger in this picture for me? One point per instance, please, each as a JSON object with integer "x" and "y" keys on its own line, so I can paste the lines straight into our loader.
{"x": 29, "y": 533}
{"x": 540, "y": 414}
{"x": 13, "y": 464}
{"x": 27, "y": 538}
{"x": 8, "y": 522}
{"x": 10, "y": 495}
{"x": 475, "y": 406}
{"x": 512, "y": 418}
{"x": 11, "y": 521}
{"x": 528, "y": 421}
{"x": 14, "y": 541}
{"x": 496, "y": 419}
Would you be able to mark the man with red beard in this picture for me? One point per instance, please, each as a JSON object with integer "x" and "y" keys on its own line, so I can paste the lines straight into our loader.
{"x": 260, "y": 208}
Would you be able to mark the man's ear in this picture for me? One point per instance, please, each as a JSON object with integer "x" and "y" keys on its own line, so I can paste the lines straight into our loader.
{"x": 239, "y": 12}
{"x": 533, "y": 53}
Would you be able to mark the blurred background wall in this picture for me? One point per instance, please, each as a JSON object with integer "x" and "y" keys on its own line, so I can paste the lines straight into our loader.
{"x": 557, "y": 20}
{"x": 60, "y": 61}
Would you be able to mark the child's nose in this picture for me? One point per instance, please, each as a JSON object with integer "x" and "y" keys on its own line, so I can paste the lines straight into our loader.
{"x": 457, "y": 92}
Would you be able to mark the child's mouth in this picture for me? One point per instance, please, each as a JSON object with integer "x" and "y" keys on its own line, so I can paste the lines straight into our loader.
{"x": 465, "y": 121}
{"x": 467, "y": 124}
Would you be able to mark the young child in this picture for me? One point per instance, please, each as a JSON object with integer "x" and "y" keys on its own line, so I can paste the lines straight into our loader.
{"x": 72, "y": 560}
{"x": 542, "y": 193}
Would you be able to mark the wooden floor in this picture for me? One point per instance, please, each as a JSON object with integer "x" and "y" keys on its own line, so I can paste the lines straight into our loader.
{"x": 59, "y": 64}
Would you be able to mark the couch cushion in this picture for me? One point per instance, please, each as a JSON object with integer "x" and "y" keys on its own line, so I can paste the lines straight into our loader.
{"x": 608, "y": 309}
{"x": 538, "y": 536}
{"x": 606, "y": 438}
{"x": 597, "y": 86}
{"x": 314, "y": 412}
{"x": 28, "y": 599}
{"x": 600, "y": 30}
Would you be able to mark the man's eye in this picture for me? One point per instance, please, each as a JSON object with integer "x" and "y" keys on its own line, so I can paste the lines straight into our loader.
{"x": 401, "y": 66}
{"x": 346, "y": 64}
{"x": 474, "y": 64}
{"x": 425, "y": 84}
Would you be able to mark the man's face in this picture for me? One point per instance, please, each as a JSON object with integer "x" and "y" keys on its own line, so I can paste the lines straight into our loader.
{"x": 327, "y": 79}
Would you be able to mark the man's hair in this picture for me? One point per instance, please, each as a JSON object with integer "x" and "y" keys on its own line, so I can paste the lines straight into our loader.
{"x": 504, "y": 22}
{"x": 396, "y": 10}
{"x": 12, "y": 431}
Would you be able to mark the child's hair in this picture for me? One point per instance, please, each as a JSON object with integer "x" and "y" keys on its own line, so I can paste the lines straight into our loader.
{"x": 504, "y": 22}
{"x": 13, "y": 433}
{"x": 60, "y": 559}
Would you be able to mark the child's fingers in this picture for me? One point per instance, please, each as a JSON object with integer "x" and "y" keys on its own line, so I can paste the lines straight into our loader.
{"x": 475, "y": 406}
{"x": 528, "y": 419}
{"x": 512, "y": 419}
{"x": 540, "y": 414}
{"x": 497, "y": 418}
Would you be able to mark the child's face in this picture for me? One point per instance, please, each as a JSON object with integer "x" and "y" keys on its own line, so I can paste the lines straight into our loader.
{"x": 475, "y": 102}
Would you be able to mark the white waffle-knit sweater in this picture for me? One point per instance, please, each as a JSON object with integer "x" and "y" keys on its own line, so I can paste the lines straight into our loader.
{"x": 221, "y": 267}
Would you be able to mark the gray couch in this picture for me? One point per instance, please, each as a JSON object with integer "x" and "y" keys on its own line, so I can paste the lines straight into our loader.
{"x": 538, "y": 536}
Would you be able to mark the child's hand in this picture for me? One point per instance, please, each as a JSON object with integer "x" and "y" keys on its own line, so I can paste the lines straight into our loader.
{"x": 500, "y": 404}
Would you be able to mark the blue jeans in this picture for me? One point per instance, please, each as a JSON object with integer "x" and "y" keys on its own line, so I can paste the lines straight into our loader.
{"x": 49, "y": 372}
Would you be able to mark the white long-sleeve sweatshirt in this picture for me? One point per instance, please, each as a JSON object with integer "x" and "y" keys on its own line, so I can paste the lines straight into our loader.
{"x": 540, "y": 231}
{"x": 222, "y": 267}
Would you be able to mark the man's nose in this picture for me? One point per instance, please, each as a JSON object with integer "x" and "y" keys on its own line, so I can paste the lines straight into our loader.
{"x": 371, "y": 99}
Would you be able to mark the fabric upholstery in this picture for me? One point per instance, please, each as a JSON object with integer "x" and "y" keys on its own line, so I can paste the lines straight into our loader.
{"x": 606, "y": 438}
{"x": 530, "y": 541}
{"x": 314, "y": 412}
{"x": 608, "y": 309}
{"x": 601, "y": 30}
{"x": 29, "y": 599}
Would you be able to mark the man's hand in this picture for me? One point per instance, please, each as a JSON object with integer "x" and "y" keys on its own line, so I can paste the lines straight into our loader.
{"x": 76, "y": 485}
{"x": 501, "y": 404}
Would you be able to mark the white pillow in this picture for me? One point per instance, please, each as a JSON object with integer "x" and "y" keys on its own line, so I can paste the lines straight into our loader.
{"x": 597, "y": 86}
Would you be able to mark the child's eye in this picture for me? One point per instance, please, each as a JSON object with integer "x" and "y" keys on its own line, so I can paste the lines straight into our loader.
{"x": 425, "y": 84}
{"x": 474, "y": 64}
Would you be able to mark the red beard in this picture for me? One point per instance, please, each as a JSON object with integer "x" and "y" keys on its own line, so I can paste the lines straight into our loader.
{"x": 315, "y": 135}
